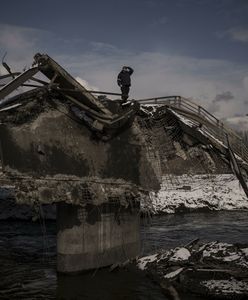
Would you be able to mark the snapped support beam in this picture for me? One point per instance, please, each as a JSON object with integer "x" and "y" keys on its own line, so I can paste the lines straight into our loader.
{"x": 9, "y": 75}
{"x": 27, "y": 85}
{"x": 17, "y": 82}
{"x": 236, "y": 169}
{"x": 49, "y": 67}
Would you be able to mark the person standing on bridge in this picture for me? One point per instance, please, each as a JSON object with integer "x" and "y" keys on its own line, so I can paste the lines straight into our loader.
{"x": 124, "y": 81}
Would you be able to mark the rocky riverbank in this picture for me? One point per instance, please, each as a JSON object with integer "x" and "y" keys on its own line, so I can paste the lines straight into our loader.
{"x": 188, "y": 193}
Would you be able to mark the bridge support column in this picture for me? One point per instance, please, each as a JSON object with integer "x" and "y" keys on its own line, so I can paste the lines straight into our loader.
{"x": 95, "y": 236}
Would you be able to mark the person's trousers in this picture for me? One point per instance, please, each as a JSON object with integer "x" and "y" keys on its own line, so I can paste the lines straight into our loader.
{"x": 125, "y": 91}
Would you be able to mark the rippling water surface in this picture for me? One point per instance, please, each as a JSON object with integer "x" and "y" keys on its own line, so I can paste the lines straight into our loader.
{"x": 28, "y": 257}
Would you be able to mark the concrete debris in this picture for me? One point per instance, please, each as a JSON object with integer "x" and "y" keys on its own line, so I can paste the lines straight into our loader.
{"x": 215, "y": 269}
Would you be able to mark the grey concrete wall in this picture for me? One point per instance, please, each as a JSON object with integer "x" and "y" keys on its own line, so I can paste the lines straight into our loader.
{"x": 96, "y": 236}
{"x": 53, "y": 148}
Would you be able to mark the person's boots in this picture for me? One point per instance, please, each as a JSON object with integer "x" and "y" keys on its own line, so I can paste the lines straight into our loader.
{"x": 124, "y": 98}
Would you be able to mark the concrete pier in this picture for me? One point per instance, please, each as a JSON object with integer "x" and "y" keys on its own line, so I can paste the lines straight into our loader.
{"x": 96, "y": 236}
{"x": 96, "y": 181}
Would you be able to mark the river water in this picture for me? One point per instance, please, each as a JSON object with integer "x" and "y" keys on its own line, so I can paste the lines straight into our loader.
{"x": 28, "y": 257}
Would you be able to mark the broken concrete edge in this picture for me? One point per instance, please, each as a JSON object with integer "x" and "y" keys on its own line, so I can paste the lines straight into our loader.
{"x": 30, "y": 104}
{"x": 72, "y": 190}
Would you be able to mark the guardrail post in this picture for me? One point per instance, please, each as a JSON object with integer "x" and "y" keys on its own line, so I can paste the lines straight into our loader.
{"x": 242, "y": 149}
{"x": 199, "y": 110}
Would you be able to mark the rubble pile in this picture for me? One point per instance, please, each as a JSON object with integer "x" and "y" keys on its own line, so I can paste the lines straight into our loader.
{"x": 214, "y": 269}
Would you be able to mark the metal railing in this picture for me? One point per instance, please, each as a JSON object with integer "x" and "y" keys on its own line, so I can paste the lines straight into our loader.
{"x": 210, "y": 124}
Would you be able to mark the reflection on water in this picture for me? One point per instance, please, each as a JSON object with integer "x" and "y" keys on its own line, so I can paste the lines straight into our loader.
{"x": 125, "y": 284}
{"x": 26, "y": 269}
{"x": 174, "y": 230}
{"x": 28, "y": 258}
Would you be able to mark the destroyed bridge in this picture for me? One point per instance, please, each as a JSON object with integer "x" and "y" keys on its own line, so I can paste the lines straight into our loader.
{"x": 97, "y": 158}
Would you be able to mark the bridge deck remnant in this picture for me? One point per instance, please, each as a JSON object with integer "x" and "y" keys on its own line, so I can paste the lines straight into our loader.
{"x": 97, "y": 159}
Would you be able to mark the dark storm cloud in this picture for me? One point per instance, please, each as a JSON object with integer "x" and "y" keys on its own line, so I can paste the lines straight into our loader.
{"x": 224, "y": 97}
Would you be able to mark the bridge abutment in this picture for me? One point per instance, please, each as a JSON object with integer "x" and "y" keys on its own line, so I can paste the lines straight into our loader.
{"x": 93, "y": 236}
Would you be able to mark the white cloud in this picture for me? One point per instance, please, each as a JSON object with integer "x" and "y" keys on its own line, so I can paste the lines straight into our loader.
{"x": 238, "y": 123}
{"x": 245, "y": 83}
{"x": 2, "y": 70}
{"x": 238, "y": 34}
{"x": 100, "y": 46}
{"x": 86, "y": 84}
{"x": 160, "y": 21}
{"x": 20, "y": 43}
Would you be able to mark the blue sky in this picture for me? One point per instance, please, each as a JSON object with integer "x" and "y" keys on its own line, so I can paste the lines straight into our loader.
{"x": 193, "y": 48}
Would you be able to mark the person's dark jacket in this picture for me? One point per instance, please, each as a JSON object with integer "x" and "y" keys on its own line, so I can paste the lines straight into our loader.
{"x": 124, "y": 77}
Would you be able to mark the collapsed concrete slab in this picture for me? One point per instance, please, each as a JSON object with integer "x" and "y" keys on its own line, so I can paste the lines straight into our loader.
{"x": 95, "y": 159}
